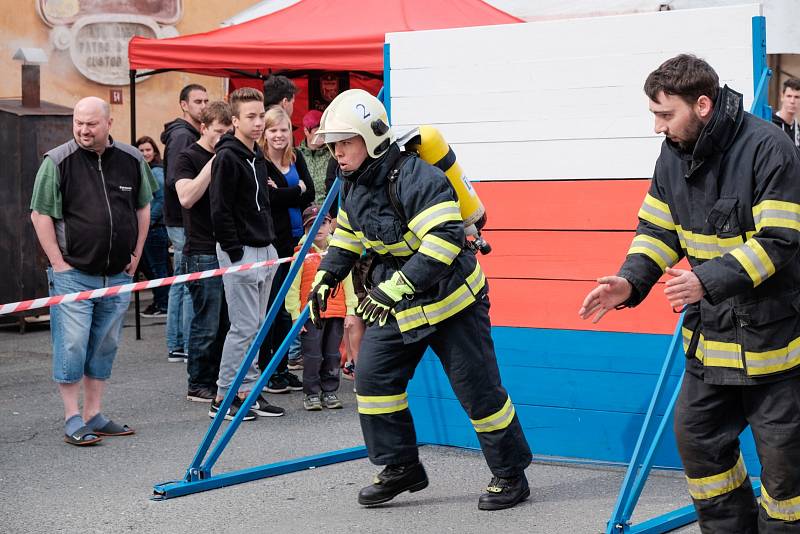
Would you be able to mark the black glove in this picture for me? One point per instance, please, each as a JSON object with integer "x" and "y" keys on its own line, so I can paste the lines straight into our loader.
{"x": 325, "y": 285}
{"x": 380, "y": 301}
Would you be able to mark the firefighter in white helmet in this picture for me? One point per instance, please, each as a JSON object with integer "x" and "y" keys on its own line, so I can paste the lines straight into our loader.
{"x": 426, "y": 290}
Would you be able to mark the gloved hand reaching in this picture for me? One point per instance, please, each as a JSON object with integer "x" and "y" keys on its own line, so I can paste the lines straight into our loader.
{"x": 383, "y": 298}
{"x": 324, "y": 286}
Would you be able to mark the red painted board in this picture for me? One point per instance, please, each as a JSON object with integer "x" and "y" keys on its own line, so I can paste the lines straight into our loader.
{"x": 555, "y": 255}
{"x": 559, "y": 205}
{"x": 555, "y": 304}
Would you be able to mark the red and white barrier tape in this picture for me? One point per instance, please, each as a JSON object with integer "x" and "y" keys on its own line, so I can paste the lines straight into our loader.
{"x": 46, "y": 302}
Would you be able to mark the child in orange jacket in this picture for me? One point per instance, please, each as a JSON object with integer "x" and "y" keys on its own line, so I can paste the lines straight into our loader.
{"x": 320, "y": 346}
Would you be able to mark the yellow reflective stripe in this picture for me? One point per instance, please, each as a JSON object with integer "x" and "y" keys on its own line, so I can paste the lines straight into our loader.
{"x": 772, "y": 361}
{"x": 656, "y": 212}
{"x": 375, "y": 405}
{"x": 400, "y": 248}
{"x": 410, "y": 318}
{"x": 439, "y": 249}
{"x": 722, "y": 354}
{"x": 440, "y": 310}
{"x": 395, "y": 249}
{"x": 707, "y": 247}
{"x": 785, "y": 510}
{"x": 725, "y": 354}
{"x": 377, "y": 246}
{"x": 755, "y": 261}
{"x": 346, "y": 240}
{"x": 449, "y": 306}
{"x": 714, "y": 353}
{"x": 498, "y": 420}
{"x": 412, "y": 240}
{"x": 777, "y": 213}
{"x": 655, "y": 249}
{"x": 714, "y": 486}
{"x": 687, "y": 338}
{"x": 476, "y": 280}
{"x": 433, "y": 216}
{"x": 342, "y": 220}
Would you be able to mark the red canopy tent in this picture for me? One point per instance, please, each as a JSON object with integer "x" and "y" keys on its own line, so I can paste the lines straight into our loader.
{"x": 312, "y": 35}
{"x": 345, "y": 35}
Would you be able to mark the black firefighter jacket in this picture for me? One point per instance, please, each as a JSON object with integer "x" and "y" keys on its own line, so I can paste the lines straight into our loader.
{"x": 426, "y": 241}
{"x": 732, "y": 207}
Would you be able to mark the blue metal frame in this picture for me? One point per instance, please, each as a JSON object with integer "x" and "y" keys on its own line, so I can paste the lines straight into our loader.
{"x": 642, "y": 460}
{"x": 386, "y": 91}
{"x": 201, "y": 465}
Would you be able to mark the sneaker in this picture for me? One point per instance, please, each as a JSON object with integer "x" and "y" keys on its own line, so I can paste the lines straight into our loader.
{"x": 263, "y": 408}
{"x": 392, "y": 481}
{"x": 175, "y": 356}
{"x": 294, "y": 383}
{"x": 296, "y": 365}
{"x": 331, "y": 401}
{"x": 504, "y": 493}
{"x": 277, "y": 384}
{"x": 152, "y": 311}
{"x": 201, "y": 395}
{"x": 312, "y": 402}
{"x": 232, "y": 411}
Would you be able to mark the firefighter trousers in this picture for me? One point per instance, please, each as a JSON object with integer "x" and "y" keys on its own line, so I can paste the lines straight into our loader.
{"x": 708, "y": 421}
{"x": 464, "y": 346}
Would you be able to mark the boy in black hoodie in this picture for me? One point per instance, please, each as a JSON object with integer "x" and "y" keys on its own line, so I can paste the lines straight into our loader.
{"x": 242, "y": 222}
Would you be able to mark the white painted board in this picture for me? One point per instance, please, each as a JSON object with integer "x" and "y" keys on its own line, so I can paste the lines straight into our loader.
{"x": 558, "y": 99}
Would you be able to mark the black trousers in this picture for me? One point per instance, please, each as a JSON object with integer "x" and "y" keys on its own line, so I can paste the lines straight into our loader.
{"x": 464, "y": 345}
{"x": 321, "y": 355}
{"x": 708, "y": 421}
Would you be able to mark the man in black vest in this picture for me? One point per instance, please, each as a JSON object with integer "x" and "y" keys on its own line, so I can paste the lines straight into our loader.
{"x": 91, "y": 212}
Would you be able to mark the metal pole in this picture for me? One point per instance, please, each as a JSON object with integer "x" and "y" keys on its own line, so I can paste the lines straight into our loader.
{"x": 387, "y": 82}
{"x": 618, "y": 521}
{"x": 136, "y": 306}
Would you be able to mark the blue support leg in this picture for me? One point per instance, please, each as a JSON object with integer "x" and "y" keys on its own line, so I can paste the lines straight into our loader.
{"x": 219, "y": 447}
{"x": 169, "y": 490}
{"x": 195, "y": 471}
{"x": 626, "y": 500}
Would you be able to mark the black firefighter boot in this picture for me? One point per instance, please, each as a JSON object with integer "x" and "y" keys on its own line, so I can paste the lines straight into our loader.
{"x": 392, "y": 481}
{"x": 504, "y": 493}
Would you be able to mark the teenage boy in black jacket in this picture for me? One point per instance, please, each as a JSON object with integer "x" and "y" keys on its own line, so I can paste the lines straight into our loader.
{"x": 242, "y": 223}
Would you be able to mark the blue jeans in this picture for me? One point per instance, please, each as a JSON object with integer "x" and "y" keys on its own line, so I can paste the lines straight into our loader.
{"x": 85, "y": 334}
{"x": 209, "y": 322}
{"x": 156, "y": 254}
{"x": 179, "y": 310}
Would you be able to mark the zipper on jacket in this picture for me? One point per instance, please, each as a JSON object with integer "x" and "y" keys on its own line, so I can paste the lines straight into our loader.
{"x": 255, "y": 179}
{"x": 108, "y": 205}
{"x": 742, "y": 322}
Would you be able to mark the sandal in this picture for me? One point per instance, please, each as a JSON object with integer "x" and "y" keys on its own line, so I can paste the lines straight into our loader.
{"x": 82, "y": 437}
{"x": 113, "y": 429}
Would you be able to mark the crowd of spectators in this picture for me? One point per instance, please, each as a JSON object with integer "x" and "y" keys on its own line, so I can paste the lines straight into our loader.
{"x": 233, "y": 188}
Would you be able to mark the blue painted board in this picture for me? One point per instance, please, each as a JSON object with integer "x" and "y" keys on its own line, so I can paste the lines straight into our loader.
{"x": 582, "y": 349}
{"x": 579, "y": 394}
{"x": 567, "y": 388}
